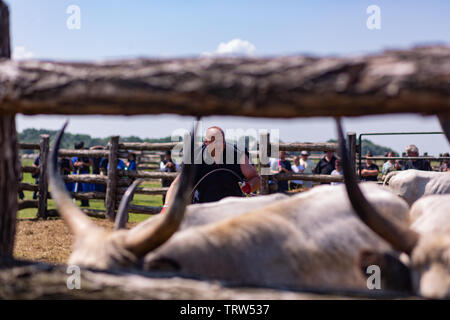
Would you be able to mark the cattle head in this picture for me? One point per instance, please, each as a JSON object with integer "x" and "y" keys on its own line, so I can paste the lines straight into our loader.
{"x": 429, "y": 268}
{"x": 98, "y": 248}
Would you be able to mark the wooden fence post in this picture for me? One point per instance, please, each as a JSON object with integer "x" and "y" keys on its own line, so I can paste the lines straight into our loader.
{"x": 264, "y": 152}
{"x": 9, "y": 162}
{"x": 351, "y": 146}
{"x": 111, "y": 186}
{"x": 43, "y": 179}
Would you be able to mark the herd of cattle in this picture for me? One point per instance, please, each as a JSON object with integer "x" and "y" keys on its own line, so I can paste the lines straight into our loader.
{"x": 323, "y": 238}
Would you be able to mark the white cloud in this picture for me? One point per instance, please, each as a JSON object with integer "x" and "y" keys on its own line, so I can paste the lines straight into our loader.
{"x": 235, "y": 47}
{"x": 21, "y": 53}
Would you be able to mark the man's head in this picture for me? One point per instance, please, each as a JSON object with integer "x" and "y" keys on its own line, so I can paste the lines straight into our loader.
{"x": 368, "y": 160}
{"x": 412, "y": 151}
{"x": 79, "y": 145}
{"x": 215, "y": 140}
{"x": 305, "y": 155}
{"x": 446, "y": 155}
{"x": 167, "y": 155}
{"x": 329, "y": 154}
{"x": 131, "y": 156}
{"x": 390, "y": 155}
{"x": 282, "y": 155}
{"x": 296, "y": 160}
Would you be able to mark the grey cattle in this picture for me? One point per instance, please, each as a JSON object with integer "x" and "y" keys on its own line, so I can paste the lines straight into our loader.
{"x": 413, "y": 184}
{"x": 428, "y": 250}
{"x": 309, "y": 240}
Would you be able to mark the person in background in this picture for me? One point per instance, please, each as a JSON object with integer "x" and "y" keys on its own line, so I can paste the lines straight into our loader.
{"x": 21, "y": 194}
{"x": 131, "y": 162}
{"x": 66, "y": 169}
{"x": 283, "y": 166}
{"x": 369, "y": 170}
{"x": 326, "y": 165}
{"x": 82, "y": 165}
{"x": 420, "y": 164}
{"x": 297, "y": 168}
{"x": 274, "y": 166}
{"x": 221, "y": 170}
{"x": 96, "y": 162}
{"x": 337, "y": 171}
{"x": 445, "y": 166}
{"x": 167, "y": 165}
{"x": 388, "y": 166}
{"x": 35, "y": 175}
{"x": 308, "y": 166}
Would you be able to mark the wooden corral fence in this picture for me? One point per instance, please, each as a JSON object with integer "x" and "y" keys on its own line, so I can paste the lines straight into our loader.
{"x": 394, "y": 81}
{"x": 117, "y": 181}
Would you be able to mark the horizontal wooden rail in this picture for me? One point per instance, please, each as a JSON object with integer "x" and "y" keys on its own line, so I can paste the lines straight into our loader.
{"x": 85, "y": 195}
{"x": 146, "y": 146}
{"x": 28, "y": 187}
{"x": 324, "y": 146}
{"x": 148, "y": 167}
{"x": 150, "y": 175}
{"x": 308, "y": 177}
{"x": 27, "y": 204}
{"x": 86, "y": 178}
{"x": 29, "y": 146}
{"x": 147, "y": 191}
{"x": 29, "y": 169}
{"x": 394, "y": 81}
{"x": 83, "y": 153}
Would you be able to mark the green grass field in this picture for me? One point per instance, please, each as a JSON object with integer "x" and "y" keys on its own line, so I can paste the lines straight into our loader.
{"x": 139, "y": 199}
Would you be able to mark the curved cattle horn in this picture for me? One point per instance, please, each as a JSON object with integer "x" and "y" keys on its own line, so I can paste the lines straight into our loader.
{"x": 444, "y": 119}
{"x": 401, "y": 238}
{"x": 122, "y": 213}
{"x": 145, "y": 238}
{"x": 77, "y": 221}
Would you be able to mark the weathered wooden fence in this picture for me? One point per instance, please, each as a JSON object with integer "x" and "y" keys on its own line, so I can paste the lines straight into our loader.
{"x": 117, "y": 181}
{"x": 395, "y": 81}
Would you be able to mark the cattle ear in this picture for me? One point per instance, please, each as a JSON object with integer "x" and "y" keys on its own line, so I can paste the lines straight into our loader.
{"x": 395, "y": 275}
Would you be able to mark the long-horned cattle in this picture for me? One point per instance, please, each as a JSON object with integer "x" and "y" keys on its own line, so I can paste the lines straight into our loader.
{"x": 426, "y": 244}
{"x": 311, "y": 240}
{"x": 412, "y": 184}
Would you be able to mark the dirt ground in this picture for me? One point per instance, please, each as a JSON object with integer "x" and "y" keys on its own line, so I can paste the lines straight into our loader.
{"x": 47, "y": 241}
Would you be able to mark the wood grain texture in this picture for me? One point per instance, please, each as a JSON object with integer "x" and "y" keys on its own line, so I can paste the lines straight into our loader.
{"x": 9, "y": 162}
{"x": 394, "y": 81}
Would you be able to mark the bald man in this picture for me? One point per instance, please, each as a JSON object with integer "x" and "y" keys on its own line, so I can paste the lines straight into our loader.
{"x": 219, "y": 168}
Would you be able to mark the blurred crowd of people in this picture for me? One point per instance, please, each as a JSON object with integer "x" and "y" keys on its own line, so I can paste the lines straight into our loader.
{"x": 86, "y": 165}
{"x": 330, "y": 164}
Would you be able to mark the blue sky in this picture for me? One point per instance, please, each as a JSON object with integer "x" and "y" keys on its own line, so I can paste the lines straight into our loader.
{"x": 118, "y": 29}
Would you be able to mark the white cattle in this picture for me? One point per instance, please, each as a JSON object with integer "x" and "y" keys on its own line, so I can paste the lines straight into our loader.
{"x": 309, "y": 240}
{"x": 413, "y": 184}
{"x": 431, "y": 214}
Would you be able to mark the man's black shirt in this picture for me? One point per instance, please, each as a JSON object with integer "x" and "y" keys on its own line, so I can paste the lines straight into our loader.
{"x": 325, "y": 167}
{"x": 373, "y": 166}
{"x": 219, "y": 184}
